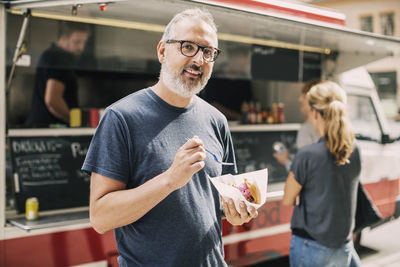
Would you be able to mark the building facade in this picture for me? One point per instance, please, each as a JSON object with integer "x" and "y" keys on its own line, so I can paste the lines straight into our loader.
{"x": 380, "y": 17}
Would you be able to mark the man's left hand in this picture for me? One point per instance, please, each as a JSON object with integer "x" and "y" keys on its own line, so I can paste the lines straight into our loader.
{"x": 238, "y": 218}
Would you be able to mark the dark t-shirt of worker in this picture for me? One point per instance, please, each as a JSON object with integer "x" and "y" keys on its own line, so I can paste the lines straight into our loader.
{"x": 136, "y": 140}
{"x": 328, "y": 195}
{"x": 54, "y": 63}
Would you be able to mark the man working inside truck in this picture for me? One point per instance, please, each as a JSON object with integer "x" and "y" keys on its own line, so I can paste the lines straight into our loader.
{"x": 56, "y": 87}
{"x": 149, "y": 170}
{"x": 306, "y": 134}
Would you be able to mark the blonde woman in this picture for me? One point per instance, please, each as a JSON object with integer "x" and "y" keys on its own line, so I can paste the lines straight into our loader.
{"x": 323, "y": 184}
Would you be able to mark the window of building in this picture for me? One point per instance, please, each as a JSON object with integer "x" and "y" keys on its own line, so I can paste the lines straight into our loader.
{"x": 366, "y": 23}
{"x": 387, "y": 23}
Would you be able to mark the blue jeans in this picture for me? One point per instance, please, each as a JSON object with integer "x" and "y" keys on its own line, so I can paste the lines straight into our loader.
{"x": 308, "y": 253}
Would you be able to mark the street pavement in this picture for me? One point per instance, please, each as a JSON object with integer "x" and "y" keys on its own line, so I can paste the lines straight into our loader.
{"x": 380, "y": 247}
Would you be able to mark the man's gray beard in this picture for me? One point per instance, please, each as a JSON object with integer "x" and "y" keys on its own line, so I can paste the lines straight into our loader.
{"x": 175, "y": 82}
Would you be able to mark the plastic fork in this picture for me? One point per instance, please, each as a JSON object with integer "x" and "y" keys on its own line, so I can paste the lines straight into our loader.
{"x": 215, "y": 157}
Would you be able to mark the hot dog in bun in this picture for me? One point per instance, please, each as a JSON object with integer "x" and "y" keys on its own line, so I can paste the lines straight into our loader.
{"x": 250, "y": 191}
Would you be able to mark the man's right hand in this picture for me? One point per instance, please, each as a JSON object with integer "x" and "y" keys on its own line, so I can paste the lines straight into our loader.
{"x": 282, "y": 157}
{"x": 188, "y": 160}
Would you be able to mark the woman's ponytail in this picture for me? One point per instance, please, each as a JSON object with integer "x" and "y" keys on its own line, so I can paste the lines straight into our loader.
{"x": 330, "y": 99}
{"x": 339, "y": 137}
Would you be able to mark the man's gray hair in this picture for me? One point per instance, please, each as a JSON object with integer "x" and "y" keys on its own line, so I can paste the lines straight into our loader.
{"x": 188, "y": 13}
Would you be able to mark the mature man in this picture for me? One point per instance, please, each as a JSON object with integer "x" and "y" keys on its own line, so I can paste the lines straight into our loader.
{"x": 148, "y": 163}
{"x": 56, "y": 87}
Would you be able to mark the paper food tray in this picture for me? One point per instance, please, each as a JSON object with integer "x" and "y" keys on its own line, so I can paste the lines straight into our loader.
{"x": 224, "y": 186}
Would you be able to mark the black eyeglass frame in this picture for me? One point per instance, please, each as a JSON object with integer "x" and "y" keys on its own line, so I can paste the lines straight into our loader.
{"x": 202, "y": 47}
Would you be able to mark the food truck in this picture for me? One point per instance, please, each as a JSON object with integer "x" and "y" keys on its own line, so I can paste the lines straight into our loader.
{"x": 269, "y": 47}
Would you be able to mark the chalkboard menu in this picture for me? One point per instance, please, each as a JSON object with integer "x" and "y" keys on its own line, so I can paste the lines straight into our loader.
{"x": 311, "y": 66}
{"x": 279, "y": 64}
{"x": 48, "y": 168}
{"x": 272, "y": 63}
{"x": 254, "y": 151}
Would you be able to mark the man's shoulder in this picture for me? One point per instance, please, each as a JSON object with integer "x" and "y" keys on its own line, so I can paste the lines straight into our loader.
{"x": 207, "y": 107}
{"x": 306, "y": 127}
{"x": 46, "y": 58}
{"x": 129, "y": 108}
{"x": 211, "y": 113}
{"x": 55, "y": 56}
{"x": 132, "y": 101}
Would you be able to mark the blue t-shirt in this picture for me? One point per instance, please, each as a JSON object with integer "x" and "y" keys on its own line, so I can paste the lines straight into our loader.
{"x": 136, "y": 140}
{"x": 328, "y": 195}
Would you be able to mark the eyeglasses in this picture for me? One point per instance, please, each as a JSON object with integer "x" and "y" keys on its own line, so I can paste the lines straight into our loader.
{"x": 190, "y": 49}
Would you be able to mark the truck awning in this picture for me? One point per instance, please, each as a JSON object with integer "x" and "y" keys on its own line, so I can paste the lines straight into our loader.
{"x": 347, "y": 48}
